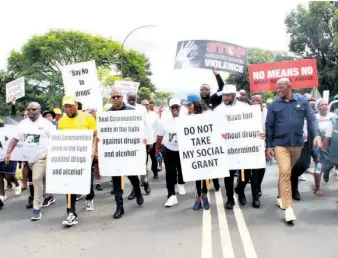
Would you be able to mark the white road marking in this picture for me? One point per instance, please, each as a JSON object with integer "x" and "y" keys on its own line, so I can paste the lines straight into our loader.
{"x": 206, "y": 234}
{"x": 249, "y": 248}
{"x": 227, "y": 248}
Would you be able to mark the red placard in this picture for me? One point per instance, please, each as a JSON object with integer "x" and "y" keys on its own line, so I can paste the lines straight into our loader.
{"x": 302, "y": 74}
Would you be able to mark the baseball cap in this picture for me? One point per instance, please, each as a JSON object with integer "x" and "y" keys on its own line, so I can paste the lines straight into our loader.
{"x": 70, "y": 100}
{"x": 48, "y": 112}
{"x": 229, "y": 89}
{"x": 174, "y": 101}
{"x": 192, "y": 98}
{"x": 57, "y": 111}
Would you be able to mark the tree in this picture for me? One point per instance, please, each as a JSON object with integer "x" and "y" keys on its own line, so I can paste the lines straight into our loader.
{"x": 162, "y": 95}
{"x": 313, "y": 34}
{"x": 144, "y": 93}
{"x": 256, "y": 56}
{"x": 32, "y": 93}
{"x": 42, "y": 57}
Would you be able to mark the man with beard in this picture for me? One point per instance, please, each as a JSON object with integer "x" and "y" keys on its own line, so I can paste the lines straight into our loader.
{"x": 212, "y": 102}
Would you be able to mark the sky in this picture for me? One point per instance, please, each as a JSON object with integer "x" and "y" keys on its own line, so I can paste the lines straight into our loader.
{"x": 246, "y": 23}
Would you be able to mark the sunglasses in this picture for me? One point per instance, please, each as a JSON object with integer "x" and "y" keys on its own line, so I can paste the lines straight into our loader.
{"x": 116, "y": 97}
{"x": 31, "y": 109}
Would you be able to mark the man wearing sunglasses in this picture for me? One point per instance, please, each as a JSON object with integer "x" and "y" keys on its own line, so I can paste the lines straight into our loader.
{"x": 35, "y": 132}
{"x": 119, "y": 105}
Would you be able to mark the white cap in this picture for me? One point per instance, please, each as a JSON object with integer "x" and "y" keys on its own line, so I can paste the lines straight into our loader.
{"x": 174, "y": 101}
{"x": 229, "y": 89}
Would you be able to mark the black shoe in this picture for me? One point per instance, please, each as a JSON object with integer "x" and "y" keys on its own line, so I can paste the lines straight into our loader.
{"x": 1, "y": 204}
{"x": 230, "y": 204}
{"x": 140, "y": 200}
{"x": 256, "y": 203}
{"x": 119, "y": 212}
{"x": 155, "y": 176}
{"x": 29, "y": 204}
{"x": 112, "y": 191}
{"x": 48, "y": 201}
{"x": 99, "y": 187}
{"x": 242, "y": 199}
{"x": 147, "y": 188}
{"x": 296, "y": 195}
{"x": 132, "y": 195}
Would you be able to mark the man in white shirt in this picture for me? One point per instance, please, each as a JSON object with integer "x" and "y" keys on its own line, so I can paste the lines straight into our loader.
{"x": 167, "y": 115}
{"x": 35, "y": 132}
{"x": 131, "y": 100}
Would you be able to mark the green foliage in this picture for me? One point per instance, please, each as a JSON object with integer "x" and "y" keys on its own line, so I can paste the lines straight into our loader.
{"x": 162, "y": 95}
{"x": 256, "y": 56}
{"x": 42, "y": 57}
{"x": 144, "y": 93}
{"x": 33, "y": 93}
{"x": 313, "y": 34}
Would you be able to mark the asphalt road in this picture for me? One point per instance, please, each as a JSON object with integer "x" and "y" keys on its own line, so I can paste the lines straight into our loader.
{"x": 154, "y": 231}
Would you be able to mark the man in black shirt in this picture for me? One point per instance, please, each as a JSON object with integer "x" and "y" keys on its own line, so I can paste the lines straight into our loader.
{"x": 119, "y": 105}
{"x": 212, "y": 102}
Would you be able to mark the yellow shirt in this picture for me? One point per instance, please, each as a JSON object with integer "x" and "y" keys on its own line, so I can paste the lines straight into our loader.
{"x": 83, "y": 121}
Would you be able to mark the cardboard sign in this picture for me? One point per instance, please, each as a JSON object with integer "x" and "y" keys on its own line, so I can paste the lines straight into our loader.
{"x": 10, "y": 131}
{"x": 202, "y": 148}
{"x": 121, "y": 149}
{"x": 81, "y": 81}
{"x": 302, "y": 74}
{"x": 126, "y": 87}
{"x": 242, "y": 125}
{"x": 211, "y": 54}
{"x": 69, "y": 162}
{"x": 15, "y": 89}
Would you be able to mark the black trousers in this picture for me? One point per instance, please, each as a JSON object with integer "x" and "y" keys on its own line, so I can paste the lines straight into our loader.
{"x": 301, "y": 166}
{"x": 201, "y": 189}
{"x": 255, "y": 176}
{"x": 229, "y": 184}
{"x": 151, "y": 153}
{"x": 72, "y": 197}
{"x": 117, "y": 186}
{"x": 173, "y": 169}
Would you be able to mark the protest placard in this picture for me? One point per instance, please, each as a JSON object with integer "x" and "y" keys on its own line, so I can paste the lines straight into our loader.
{"x": 121, "y": 149}
{"x": 9, "y": 131}
{"x": 302, "y": 74}
{"x": 126, "y": 87}
{"x": 242, "y": 125}
{"x": 15, "y": 89}
{"x": 81, "y": 81}
{"x": 326, "y": 95}
{"x": 211, "y": 54}
{"x": 202, "y": 148}
{"x": 69, "y": 162}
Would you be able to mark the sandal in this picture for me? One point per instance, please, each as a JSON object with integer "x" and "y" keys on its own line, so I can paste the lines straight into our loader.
{"x": 318, "y": 192}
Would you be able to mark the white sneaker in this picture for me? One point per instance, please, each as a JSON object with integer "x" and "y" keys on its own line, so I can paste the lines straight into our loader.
{"x": 280, "y": 204}
{"x": 3, "y": 198}
{"x": 181, "y": 189}
{"x": 89, "y": 205}
{"x": 71, "y": 220}
{"x": 172, "y": 200}
{"x": 289, "y": 215}
{"x": 17, "y": 189}
{"x": 302, "y": 177}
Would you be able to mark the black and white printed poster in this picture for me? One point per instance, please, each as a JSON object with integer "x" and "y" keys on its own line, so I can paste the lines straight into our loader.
{"x": 210, "y": 54}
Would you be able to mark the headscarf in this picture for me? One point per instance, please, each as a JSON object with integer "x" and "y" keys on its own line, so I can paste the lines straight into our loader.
{"x": 318, "y": 103}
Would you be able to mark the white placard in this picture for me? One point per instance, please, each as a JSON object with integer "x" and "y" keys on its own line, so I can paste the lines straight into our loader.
{"x": 245, "y": 148}
{"x": 15, "y": 89}
{"x": 121, "y": 149}
{"x": 126, "y": 87}
{"x": 326, "y": 95}
{"x": 202, "y": 148}
{"x": 69, "y": 162}
{"x": 81, "y": 81}
{"x": 17, "y": 153}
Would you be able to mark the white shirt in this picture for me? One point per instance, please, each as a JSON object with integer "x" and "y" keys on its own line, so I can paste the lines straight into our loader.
{"x": 36, "y": 138}
{"x": 329, "y": 130}
{"x": 168, "y": 129}
{"x": 305, "y": 132}
{"x": 152, "y": 124}
{"x": 222, "y": 107}
{"x": 324, "y": 122}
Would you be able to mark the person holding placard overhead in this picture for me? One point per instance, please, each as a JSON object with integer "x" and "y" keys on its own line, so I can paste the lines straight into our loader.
{"x": 75, "y": 120}
{"x": 167, "y": 135}
{"x": 196, "y": 106}
{"x": 35, "y": 132}
{"x": 284, "y": 138}
{"x": 118, "y": 185}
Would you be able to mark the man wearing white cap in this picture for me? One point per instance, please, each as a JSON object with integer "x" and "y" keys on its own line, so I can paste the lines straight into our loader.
{"x": 167, "y": 135}
{"x": 229, "y": 100}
